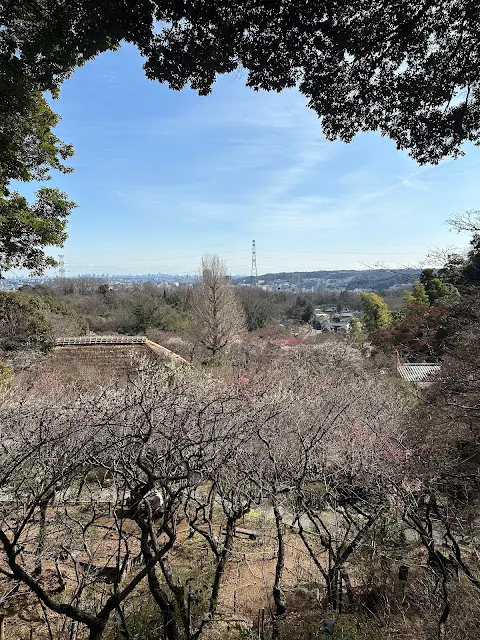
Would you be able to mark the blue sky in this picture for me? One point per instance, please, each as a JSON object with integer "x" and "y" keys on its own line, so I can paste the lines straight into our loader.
{"x": 163, "y": 177}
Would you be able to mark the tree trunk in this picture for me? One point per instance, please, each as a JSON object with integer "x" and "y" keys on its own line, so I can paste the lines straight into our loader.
{"x": 41, "y": 539}
{"x": 172, "y": 632}
{"x": 96, "y": 633}
{"x": 171, "y": 626}
{"x": 332, "y": 588}
{"x": 349, "y": 588}
{"x": 278, "y": 598}
{"x": 227, "y": 550}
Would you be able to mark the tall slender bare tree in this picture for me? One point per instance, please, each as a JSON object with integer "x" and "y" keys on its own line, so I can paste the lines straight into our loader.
{"x": 216, "y": 314}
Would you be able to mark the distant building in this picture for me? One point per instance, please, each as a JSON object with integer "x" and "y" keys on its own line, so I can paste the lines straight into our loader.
{"x": 420, "y": 374}
{"x": 340, "y": 326}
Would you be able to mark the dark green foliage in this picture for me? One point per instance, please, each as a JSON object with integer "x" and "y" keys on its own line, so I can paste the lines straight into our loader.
{"x": 30, "y": 321}
{"x": 416, "y": 300}
{"x": 471, "y": 270}
{"x": 307, "y": 313}
{"x": 397, "y": 315}
{"x": 392, "y": 67}
{"x": 436, "y": 289}
{"x": 26, "y": 229}
{"x": 28, "y": 147}
{"x": 301, "y": 310}
{"x": 23, "y": 325}
{"x": 459, "y": 274}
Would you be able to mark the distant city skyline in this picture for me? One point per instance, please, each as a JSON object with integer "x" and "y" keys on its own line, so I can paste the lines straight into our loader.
{"x": 162, "y": 177}
{"x": 368, "y": 262}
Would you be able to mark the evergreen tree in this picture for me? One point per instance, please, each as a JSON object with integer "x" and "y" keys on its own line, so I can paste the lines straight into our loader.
{"x": 356, "y": 333}
{"x": 376, "y": 314}
{"x": 416, "y": 300}
{"x": 436, "y": 289}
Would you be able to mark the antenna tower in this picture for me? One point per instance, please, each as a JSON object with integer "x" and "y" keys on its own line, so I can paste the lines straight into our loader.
{"x": 254, "y": 260}
{"x": 61, "y": 266}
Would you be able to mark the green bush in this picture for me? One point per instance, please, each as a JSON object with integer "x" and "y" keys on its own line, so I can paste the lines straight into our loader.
{"x": 6, "y": 375}
{"x": 29, "y": 321}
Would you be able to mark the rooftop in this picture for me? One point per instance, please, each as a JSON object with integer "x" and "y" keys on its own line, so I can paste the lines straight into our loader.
{"x": 421, "y": 374}
{"x": 84, "y": 340}
{"x": 97, "y": 359}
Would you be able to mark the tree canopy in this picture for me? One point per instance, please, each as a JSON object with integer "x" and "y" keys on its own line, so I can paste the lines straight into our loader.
{"x": 376, "y": 314}
{"x": 407, "y": 69}
{"x": 417, "y": 299}
{"x": 462, "y": 273}
{"x": 28, "y": 151}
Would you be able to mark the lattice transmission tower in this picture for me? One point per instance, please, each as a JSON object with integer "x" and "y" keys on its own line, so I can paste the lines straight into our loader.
{"x": 61, "y": 266}
{"x": 254, "y": 260}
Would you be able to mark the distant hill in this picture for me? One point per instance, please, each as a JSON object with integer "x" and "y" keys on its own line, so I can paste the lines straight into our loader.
{"x": 367, "y": 279}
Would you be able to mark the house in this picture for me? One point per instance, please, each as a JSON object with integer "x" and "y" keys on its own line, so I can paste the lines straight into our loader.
{"x": 340, "y": 325}
{"x": 420, "y": 374}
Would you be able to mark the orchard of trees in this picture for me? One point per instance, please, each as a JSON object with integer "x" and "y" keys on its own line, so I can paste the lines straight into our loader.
{"x": 258, "y": 492}
{"x": 122, "y": 510}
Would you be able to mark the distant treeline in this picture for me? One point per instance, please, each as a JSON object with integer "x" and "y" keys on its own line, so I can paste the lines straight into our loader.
{"x": 350, "y": 280}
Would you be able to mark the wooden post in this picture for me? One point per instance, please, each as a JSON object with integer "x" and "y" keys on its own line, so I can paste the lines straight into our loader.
{"x": 258, "y": 624}
{"x": 189, "y": 613}
{"x": 234, "y": 602}
{"x": 340, "y": 592}
{"x": 263, "y": 624}
{"x": 403, "y": 577}
{"x": 403, "y": 573}
{"x": 2, "y": 626}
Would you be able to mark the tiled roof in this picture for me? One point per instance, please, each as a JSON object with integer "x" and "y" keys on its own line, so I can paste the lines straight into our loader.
{"x": 80, "y": 340}
{"x": 117, "y": 341}
{"x": 419, "y": 372}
